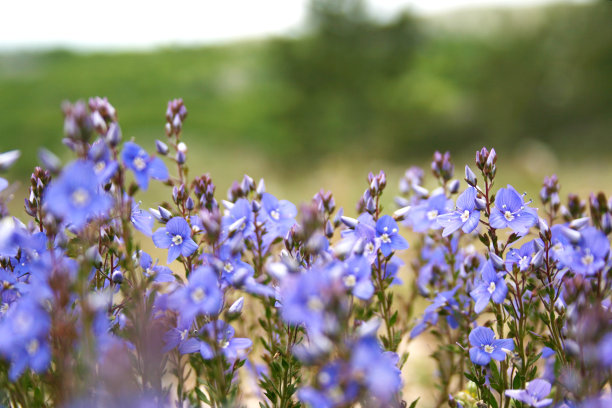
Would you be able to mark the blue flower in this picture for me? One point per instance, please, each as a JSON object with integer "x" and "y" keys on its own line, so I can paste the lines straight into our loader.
{"x": 444, "y": 301}
{"x": 279, "y": 216}
{"x": 24, "y": 337}
{"x": 142, "y": 220}
{"x": 490, "y": 287}
{"x": 176, "y": 236}
{"x": 591, "y": 254}
{"x": 390, "y": 239}
{"x": 466, "y": 216}
{"x": 520, "y": 257}
{"x": 104, "y": 166}
{"x": 201, "y": 295}
{"x": 142, "y": 165}
{"x": 424, "y": 216}
{"x": 364, "y": 234}
{"x": 221, "y": 332}
{"x": 239, "y": 219}
{"x": 357, "y": 277}
{"x": 512, "y": 212}
{"x": 535, "y": 394}
{"x": 160, "y": 273}
{"x": 486, "y": 347}
{"x": 378, "y": 369}
{"x": 75, "y": 196}
{"x": 179, "y": 337}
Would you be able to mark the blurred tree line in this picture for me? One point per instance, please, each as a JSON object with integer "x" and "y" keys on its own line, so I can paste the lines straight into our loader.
{"x": 351, "y": 85}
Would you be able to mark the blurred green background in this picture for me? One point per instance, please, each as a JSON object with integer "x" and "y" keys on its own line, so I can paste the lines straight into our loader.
{"x": 351, "y": 93}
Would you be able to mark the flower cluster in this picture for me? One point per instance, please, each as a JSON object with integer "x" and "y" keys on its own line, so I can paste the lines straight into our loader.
{"x": 203, "y": 301}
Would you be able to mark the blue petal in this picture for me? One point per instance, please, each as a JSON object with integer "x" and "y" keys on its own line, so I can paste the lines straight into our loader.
{"x": 189, "y": 246}
{"x": 481, "y": 336}
{"x": 479, "y": 357}
{"x": 162, "y": 238}
{"x": 173, "y": 252}
{"x": 157, "y": 169}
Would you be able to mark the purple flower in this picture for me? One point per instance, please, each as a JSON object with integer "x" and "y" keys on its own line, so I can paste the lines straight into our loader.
{"x": 512, "y": 212}
{"x": 364, "y": 234}
{"x": 390, "y": 239}
{"x": 75, "y": 195}
{"x": 486, "y": 347}
{"x": 491, "y": 287}
{"x": 466, "y": 216}
{"x": 424, "y": 216}
{"x": 201, "y": 295}
{"x": 142, "y": 165}
{"x": 176, "y": 236}
{"x": 443, "y": 301}
{"x": 221, "y": 332}
{"x": 535, "y": 394}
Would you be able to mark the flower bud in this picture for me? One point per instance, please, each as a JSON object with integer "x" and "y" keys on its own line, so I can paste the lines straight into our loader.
{"x": 453, "y": 186}
{"x": 261, "y": 187}
{"x": 189, "y": 204}
{"x": 236, "y": 308}
{"x": 470, "y": 177}
{"x": 164, "y": 214}
{"x": 161, "y": 147}
{"x": 497, "y": 261}
{"x": 579, "y": 223}
{"x": 349, "y": 222}
{"x": 180, "y": 157}
{"x": 117, "y": 277}
{"x": 50, "y": 161}
{"x": 7, "y": 159}
{"x": 113, "y": 136}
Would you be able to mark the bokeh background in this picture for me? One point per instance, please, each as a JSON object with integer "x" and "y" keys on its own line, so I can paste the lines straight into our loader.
{"x": 332, "y": 90}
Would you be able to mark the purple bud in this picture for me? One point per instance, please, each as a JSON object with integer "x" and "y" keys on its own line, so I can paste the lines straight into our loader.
{"x": 481, "y": 204}
{"x": 189, "y": 204}
{"x": 50, "y": 161}
{"x": 236, "y": 307}
{"x": 261, "y": 187}
{"x": 164, "y": 214}
{"x": 180, "y": 157}
{"x": 498, "y": 262}
{"x": 256, "y": 206}
{"x": 349, "y": 222}
{"x": 329, "y": 229}
{"x": 571, "y": 234}
{"x": 117, "y": 277}
{"x": 7, "y": 159}
{"x": 161, "y": 147}
{"x": 113, "y": 136}
{"x": 470, "y": 177}
{"x": 579, "y": 223}
{"x": 453, "y": 186}
{"x": 538, "y": 259}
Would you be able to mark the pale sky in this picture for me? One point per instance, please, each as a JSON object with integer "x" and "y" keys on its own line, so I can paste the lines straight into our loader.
{"x": 141, "y": 24}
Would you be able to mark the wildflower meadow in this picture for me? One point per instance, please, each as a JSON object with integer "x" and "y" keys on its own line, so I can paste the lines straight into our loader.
{"x": 259, "y": 302}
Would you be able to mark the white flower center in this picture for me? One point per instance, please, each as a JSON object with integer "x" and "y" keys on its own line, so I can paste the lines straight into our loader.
{"x": 4, "y": 308}
{"x": 385, "y": 238}
{"x": 491, "y": 288}
{"x": 324, "y": 378}
{"x": 369, "y": 248}
{"x": 524, "y": 262}
{"x": 139, "y": 163}
{"x": 315, "y": 304}
{"x": 80, "y": 197}
{"x": 183, "y": 334}
{"x": 177, "y": 240}
{"x": 32, "y": 346}
{"x": 6, "y": 285}
{"x": 99, "y": 166}
{"x": 431, "y": 215}
{"x": 224, "y": 344}
{"x": 275, "y": 215}
{"x": 228, "y": 267}
{"x": 508, "y": 215}
{"x": 465, "y": 216}
{"x": 587, "y": 259}
{"x": 349, "y": 281}
{"x": 488, "y": 348}
{"x": 198, "y": 295}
